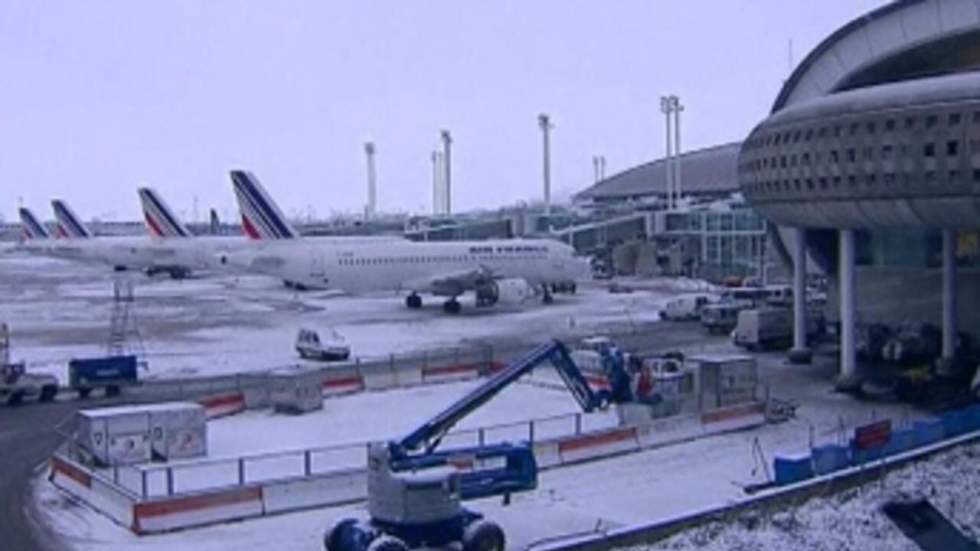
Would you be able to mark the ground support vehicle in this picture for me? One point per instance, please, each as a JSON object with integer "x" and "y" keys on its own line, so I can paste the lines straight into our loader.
{"x": 415, "y": 492}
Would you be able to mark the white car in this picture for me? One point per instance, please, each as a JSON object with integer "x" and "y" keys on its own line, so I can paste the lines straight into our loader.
{"x": 310, "y": 346}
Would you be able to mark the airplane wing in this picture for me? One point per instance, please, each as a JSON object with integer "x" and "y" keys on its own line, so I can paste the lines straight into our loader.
{"x": 451, "y": 284}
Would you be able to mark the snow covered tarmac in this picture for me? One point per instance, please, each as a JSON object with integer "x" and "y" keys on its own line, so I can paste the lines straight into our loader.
{"x": 226, "y": 324}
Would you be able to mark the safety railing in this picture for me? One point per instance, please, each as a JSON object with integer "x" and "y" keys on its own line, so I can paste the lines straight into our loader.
{"x": 184, "y": 477}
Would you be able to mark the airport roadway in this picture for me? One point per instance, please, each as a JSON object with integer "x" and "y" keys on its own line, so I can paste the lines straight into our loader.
{"x": 27, "y": 439}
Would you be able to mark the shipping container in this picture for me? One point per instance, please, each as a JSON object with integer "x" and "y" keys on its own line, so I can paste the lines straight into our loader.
{"x": 178, "y": 430}
{"x": 725, "y": 380}
{"x": 115, "y": 436}
{"x": 110, "y": 373}
{"x": 128, "y": 435}
{"x": 296, "y": 389}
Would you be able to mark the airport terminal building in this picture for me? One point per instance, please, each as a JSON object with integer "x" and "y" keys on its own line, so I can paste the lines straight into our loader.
{"x": 870, "y": 165}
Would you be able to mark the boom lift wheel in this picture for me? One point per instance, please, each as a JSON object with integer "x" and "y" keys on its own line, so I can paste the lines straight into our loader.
{"x": 346, "y": 536}
{"x": 388, "y": 543}
{"x": 483, "y": 535}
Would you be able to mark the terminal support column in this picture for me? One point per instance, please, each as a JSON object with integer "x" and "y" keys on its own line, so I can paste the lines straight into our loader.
{"x": 800, "y": 353}
{"x": 847, "y": 281}
{"x": 949, "y": 294}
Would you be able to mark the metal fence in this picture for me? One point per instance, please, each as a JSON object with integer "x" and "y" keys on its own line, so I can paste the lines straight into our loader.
{"x": 147, "y": 481}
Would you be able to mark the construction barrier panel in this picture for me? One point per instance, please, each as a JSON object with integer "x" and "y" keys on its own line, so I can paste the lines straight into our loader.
{"x": 219, "y": 406}
{"x": 928, "y": 432}
{"x": 792, "y": 469}
{"x": 451, "y": 373}
{"x": 829, "y": 458}
{"x": 901, "y": 440}
{"x": 101, "y": 496}
{"x": 335, "y": 385}
{"x": 669, "y": 430}
{"x": 302, "y": 493}
{"x": 734, "y": 417}
{"x": 973, "y": 417}
{"x": 597, "y": 444}
{"x": 165, "y": 514}
{"x": 378, "y": 376}
{"x": 546, "y": 454}
{"x": 955, "y": 423}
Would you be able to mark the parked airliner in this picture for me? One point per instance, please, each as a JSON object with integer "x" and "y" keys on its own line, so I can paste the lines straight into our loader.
{"x": 498, "y": 271}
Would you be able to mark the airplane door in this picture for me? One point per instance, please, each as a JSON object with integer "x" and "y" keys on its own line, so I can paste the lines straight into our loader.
{"x": 316, "y": 264}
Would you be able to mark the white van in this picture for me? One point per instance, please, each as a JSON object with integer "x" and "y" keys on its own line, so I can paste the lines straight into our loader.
{"x": 686, "y": 308}
{"x": 768, "y": 328}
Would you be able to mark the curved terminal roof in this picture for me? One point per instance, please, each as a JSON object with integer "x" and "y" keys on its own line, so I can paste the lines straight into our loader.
{"x": 711, "y": 171}
{"x": 879, "y": 126}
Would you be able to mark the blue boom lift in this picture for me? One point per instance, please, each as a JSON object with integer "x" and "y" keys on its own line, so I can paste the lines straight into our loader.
{"x": 415, "y": 492}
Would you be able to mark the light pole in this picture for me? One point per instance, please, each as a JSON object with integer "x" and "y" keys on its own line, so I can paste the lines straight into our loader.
{"x": 677, "y": 107}
{"x": 447, "y": 142}
{"x": 545, "y": 124}
{"x": 372, "y": 184}
{"x": 436, "y": 199}
{"x": 666, "y": 107}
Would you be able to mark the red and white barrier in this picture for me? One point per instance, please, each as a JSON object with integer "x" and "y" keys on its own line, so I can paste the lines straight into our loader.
{"x": 450, "y": 373}
{"x": 342, "y": 385}
{"x": 316, "y": 491}
{"x": 734, "y": 418}
{"x": 101, "y": 496}
{"x": 597, "y": 444}
{"x": 167, "y": 514}
{"x": 546, "y": 454}
{"x": 219, "y": 406}
{"x": 69, "y": 476}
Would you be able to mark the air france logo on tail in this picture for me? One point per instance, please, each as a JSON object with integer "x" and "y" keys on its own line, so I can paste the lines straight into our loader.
{"x": 68, "y": 224}
{"x": 261, "y": 217}
{"x": 33, "y": 229}
{"x": 160, "y": 220}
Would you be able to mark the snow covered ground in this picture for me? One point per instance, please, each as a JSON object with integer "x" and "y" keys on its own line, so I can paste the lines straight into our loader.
{"x": 225, "y": 324}
{"x": 852, "y": 519}
{"x": 641, "y": 487}
{"x": 350, "y": 421}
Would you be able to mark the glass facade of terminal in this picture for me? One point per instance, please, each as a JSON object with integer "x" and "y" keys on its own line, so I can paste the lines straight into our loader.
{"x": 732, "y": 243}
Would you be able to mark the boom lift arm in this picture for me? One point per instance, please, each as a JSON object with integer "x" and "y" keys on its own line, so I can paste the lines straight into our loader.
{"x": 430, "y": 434}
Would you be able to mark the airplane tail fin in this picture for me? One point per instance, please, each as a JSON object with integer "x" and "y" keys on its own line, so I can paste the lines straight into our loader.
{"x": 215, "y": 223}
{"x": 261, "y": 217}
{"x": 68, "y": 223}
{"x": 160, "y": 220}
{"x": 33, "y": 229}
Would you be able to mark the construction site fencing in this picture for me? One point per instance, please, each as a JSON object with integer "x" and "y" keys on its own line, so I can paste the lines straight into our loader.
{"x": 377, "y": 372}
{"x": 176, "y": 478}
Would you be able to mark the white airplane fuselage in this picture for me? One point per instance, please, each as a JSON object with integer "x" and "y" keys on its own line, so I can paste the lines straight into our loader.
{"x": 411, "y": 266}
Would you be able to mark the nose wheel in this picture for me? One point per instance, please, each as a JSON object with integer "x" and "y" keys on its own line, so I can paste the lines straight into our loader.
{"x": 546, "y": 296}
{"x": 413, "y": 301}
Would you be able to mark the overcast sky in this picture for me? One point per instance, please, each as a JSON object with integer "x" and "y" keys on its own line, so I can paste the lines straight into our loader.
{"x": 98, "y": 96}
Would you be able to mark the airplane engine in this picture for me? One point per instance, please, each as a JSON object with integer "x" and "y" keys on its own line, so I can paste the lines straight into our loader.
{"x": 506, "y": 291}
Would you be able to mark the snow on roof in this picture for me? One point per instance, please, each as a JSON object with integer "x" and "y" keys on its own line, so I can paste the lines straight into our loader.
{"x": 134, "y": 409}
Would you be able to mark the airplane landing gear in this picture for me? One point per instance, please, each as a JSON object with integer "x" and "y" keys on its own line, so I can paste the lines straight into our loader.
{"x": 413, "y": 301}
{"x": 452, "y": 306}
{"x": 546, "y": 296}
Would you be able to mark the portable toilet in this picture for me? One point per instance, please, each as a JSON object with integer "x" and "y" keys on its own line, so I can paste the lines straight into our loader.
{"x": 296, "y": 389}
